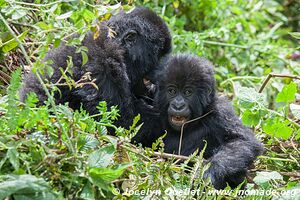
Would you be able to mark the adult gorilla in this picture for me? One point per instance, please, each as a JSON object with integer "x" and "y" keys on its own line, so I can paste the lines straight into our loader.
{"x": 186, "y": 99}
{"x": 118, "y": 64}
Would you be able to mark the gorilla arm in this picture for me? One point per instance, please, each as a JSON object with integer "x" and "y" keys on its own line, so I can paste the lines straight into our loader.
{"x": 237, "y": 151}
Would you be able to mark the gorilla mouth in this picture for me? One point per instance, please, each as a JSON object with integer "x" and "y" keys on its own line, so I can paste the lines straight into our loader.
{"x": 178, "y": 120}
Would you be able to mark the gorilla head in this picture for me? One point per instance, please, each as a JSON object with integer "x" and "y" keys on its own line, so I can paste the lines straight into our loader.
{"x": 185, "y": 93}
{"x": 145, "y": 38}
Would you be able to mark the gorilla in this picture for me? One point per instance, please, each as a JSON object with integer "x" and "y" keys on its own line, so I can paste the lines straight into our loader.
{"x": 186, "y": 102}
{"x": 146, "y": 39}
{"x": 118, "y": 64}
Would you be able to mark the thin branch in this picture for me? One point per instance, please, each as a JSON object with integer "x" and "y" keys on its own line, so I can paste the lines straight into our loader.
{"x": 141, "y": 153}
{"x": 225, "y": 44}
{"x": 276, "y": 75}
{"x": 240, "y": 78}
{"x": 38, "y": 5}
{"x": 168, "y": 155}
{"x": 276, "y": 159}
{"x": 187, "y": 122}
{"x": 293, "y": 174}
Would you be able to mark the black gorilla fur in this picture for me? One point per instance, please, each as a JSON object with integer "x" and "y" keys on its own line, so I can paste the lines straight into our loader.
{"x": 118, "y": 64}
{"x": 152, "y": 42}
{"x": 186, "y": 90}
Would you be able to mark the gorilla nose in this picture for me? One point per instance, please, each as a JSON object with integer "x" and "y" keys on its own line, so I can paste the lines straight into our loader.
{"x": 179, "y": 106}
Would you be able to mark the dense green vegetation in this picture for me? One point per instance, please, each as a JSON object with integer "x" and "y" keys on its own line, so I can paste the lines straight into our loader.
{"x": 53, "y": 152}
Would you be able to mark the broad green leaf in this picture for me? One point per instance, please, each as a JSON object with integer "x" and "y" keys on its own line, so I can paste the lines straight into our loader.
{"x": 263, "y": 178}
{"x": 89, "y": 142}
{"x": 25, "y": 187}
{"x": 87, "y": 192}
{"x": 249, "y": 97}
{"x": 88, "y": 15}
{"x": 278, "y": 128}
{"x": 250, "y": 118}
{"x": 102, "y": 177}
{"x": 102, "y": 157}
{"x": 284, "y": 132}
{"x": 11, "y": 44}
{"x": 287, "y": 93}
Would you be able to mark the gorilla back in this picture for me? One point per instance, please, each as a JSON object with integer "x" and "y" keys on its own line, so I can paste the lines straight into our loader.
{"x": 186, "y": 99}
{"x": 105, "y": 65}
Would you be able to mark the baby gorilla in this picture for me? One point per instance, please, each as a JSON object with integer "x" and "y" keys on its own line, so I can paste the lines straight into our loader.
{"x": 118, "y": 63}
{"x": 186, "y": 99}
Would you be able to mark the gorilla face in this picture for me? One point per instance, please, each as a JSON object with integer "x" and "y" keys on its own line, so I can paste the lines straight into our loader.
{"x": 185, "y": 89}
{"x": 179, "y": 110}
{"x": 145, "y": 39}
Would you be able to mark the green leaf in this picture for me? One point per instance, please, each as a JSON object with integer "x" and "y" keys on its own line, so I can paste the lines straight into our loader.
{"x": 295, "y": 35}
{"x": 295, "y": 109}
{"x": 249, "y": 97}
{"x": 287, "y": 93}
{"x": 13, "y": 156}
{"x": 49, "y": 70}
{"x": 25, "y": 187}
{"x": 88, "y": 15}
{"x": 11, "y": 44}
{"x": 290, "y": 194}
{"x": 18, "y": 13}
{"x": 102, "y": 177}
{"x": 263, "y": 178}
{"x": 284, "y": 132}
{"x": 278, "y": 128}
{"x": 52, "y": 9}
{"x": 250, "y": 118}
{"x": 56, "y": 43}
{"x": 42, "y": 25}
{"x": 298, "y": 135}
{"x": 236, "y": 10}
{"x": 87, "y": 192}
{"x": 65, "y": 15}
{"x": 102, "y": 157}
{"x": 2, "y": 3}
{"x": 85, "y": 57}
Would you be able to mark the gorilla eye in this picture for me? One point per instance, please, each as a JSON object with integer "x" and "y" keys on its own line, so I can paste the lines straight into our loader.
{"x": 188, "y": 92}
{"x": 171, "y": 91}
{"x": 130, "y": 36}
